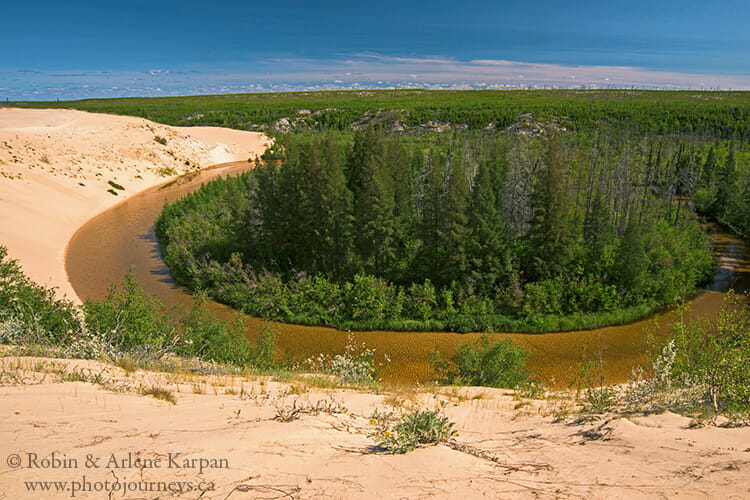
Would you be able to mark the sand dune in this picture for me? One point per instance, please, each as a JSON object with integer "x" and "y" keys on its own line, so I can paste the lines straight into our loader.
{"x": 56, "y": 167}
{"x": 506, "y": 447}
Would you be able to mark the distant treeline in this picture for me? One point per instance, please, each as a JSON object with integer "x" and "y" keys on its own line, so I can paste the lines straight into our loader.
{"x": 712, "y": 114}
{"x": 461, "y": 231}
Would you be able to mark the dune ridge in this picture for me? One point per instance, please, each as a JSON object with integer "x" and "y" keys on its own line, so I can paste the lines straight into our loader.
{"x": 59, "y": 168}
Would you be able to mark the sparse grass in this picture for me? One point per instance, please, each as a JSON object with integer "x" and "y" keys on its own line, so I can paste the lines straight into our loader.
{"x": 289, "y": 413}
{"x": 161, "y": 140}
{"x": 160, "y": 393}
{"x": 166, "y": 172}
{"x": 116, "y": 185}
{"x": 128, "y": 364}
{"x": 112, "y": 192}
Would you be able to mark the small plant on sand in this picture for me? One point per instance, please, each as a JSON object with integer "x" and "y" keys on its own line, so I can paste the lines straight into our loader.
{"x": 286, "y": 413}
{"x": 413, "y": 429}
{"x": 160, "y": 393}
{"x": 116, "y": 185}
{"x": 161, "y": 140}
{"x": 167, "y": 171}
{"x": 355, "y": 365}
{"x": 597, "y": 398}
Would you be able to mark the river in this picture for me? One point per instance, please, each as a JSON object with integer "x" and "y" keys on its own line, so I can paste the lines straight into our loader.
{"x": 104, "y": 249}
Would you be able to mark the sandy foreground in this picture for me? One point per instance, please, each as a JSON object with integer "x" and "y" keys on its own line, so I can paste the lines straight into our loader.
{"x": 56, "y": 167}
{"x": 89, "y": 428}
{"x": 223, "y": 436}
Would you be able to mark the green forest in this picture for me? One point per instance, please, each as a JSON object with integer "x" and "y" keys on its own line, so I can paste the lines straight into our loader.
{"x": 535, "y": 227}
{"x": 706, "y": 114}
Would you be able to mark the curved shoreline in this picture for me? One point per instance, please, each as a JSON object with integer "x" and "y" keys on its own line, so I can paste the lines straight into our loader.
{"x": 553, "y": 354}
{"x": 59, "y": 168}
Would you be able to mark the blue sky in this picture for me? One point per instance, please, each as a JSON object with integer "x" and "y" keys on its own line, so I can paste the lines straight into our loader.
{"x": 78, "y": 49}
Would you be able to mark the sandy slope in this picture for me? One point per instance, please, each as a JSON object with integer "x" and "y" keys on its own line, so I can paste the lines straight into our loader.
{"x": 506, "y": 448}
{"x": 55, "y": 166}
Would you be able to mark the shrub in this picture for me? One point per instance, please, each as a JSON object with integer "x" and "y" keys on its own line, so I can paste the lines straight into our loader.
{"x": 485, "y": 363}
{"x": 30, "y": 312}
{"x": 356, "y": 364}
{"x": 130, "y": 319}
{"x": 211, "y": 339}
{"x": 414, "y": 429}
{"x": 715, "y": 357}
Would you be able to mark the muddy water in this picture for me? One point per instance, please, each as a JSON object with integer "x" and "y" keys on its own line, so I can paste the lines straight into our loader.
{"x": 103, "y": 251}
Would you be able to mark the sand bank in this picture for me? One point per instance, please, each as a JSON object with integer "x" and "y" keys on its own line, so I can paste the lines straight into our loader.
{"x": 506, "y": 447}
{"x": 59, "y": 168}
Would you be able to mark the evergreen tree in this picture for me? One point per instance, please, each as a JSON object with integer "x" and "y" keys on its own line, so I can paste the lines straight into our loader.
{"x": 709, "y": 165}
{"x": 597, "y": 229}
{"x": 725, "y": 185}
{"x": 373, "y": 216}
{"x": 336, "y": 218}
{"x": 329, "y": 209}
{"x": 402, "y": 176}
{"x": 488, "y": 249}
{"x": 430, "y": 256}
{"x": 455, "y": 230}
{"x": 550, "y": 233}
{"x": 632, "y": 258}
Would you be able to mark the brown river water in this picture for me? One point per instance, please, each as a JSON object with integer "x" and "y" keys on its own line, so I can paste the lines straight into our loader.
{"x": 104, "y": 249}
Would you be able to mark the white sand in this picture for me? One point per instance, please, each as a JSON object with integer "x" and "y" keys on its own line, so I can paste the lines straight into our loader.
{"x": 511, "y": 448}
{"x": 55, "y": 166}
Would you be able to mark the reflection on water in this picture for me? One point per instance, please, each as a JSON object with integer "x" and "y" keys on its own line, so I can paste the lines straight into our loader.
{"x": 121, "y": 238}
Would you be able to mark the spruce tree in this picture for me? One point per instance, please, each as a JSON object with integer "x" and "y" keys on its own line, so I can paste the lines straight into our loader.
{"x": 429, "y": 258}
{"x": 336, "y": 217}
{"x": 488, "y": 249}
{"x": 455, "y": 230}
{"x": 597, "y": 229}
{"x": 550, "y": 235}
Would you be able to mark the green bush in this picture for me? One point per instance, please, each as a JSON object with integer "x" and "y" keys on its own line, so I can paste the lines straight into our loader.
{"x": 414, "y": 429}
{"x": 715, "y": 356}
{"x": 484, "y": 363}
{"x": 211, "y": 339}
{"x": 31, "y": 312}
{"x": 130, "y": 318}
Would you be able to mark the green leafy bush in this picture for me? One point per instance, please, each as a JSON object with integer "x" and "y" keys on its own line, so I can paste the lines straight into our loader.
{"x": 715, "y": 356}
{"x": 412, "y": 430}
{"x": 130, "y": 318}
{"x": 485, "y": 363}
{"x": 211, "y": 339}
{"x": 30, "y": 312}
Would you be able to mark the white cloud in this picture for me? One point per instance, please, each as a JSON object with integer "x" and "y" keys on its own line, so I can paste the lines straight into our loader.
{"x": 361, "y": 71}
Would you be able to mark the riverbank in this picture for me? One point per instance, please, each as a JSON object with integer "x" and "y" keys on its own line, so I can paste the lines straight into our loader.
{"x": 60, "y": 168}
